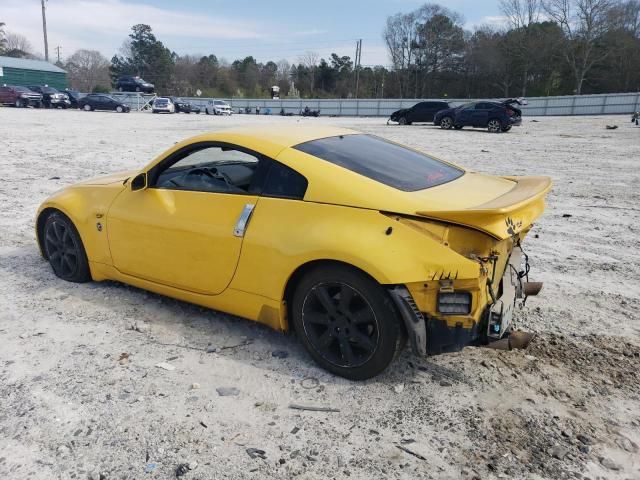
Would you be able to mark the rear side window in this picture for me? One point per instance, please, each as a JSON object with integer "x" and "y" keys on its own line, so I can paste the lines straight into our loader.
{"x": 382, "y": 161}
{"x": 284, "y": 182}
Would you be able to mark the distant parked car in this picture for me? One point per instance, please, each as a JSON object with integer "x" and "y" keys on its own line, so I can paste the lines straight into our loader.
{"x": 184, "y": 106}
{"x": 134, "y": 84}
{"x": 494, "y": 116}
{"x": 218, "y": 107}
{"x": 74, "y": 96}
{"x": 163, "y": 104}
{"x": 51, "y": 97}
{"x": 19, "y": 96}
{"x": 420, "y": 112}
{"x": 100, "y": 101}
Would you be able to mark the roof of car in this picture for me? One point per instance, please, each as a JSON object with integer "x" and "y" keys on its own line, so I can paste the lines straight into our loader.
{"x": 285, "y": 137}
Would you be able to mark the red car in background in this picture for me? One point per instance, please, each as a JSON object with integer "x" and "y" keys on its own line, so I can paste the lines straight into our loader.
{"x": 19, "y": 96}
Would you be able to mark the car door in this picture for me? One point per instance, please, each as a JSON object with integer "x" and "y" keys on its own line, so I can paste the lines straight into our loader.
{"x": 480, "y": 115}
{"x": 464, "y": 116}
{"x": 187, "y": 232}
{"x": 5, "y": 93}
{"x": 419, "y": 112}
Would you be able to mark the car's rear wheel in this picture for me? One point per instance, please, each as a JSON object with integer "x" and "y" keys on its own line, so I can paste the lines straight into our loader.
{"x": 64, "y": 249}
{"x": 494, "y": 125}
{"x": 87, "y": 108}
{"x": 346, "y": 321}
{"x": 119, "y": 109}
{"x": 446, "y": 123}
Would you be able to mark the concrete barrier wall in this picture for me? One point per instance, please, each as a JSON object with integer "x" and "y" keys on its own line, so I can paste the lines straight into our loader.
{"x": 605, "y": 104}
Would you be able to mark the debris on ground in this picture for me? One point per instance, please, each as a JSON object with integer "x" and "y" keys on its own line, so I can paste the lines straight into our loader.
{"x": 256, "y": 453}
{"x": 227, "y": 391}
{"x": 166, "y": 366}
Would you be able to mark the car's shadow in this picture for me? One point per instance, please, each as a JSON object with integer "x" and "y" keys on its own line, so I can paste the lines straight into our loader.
{"x": 194, "y": 327}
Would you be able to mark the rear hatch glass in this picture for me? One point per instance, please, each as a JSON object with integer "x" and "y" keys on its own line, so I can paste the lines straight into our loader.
{"x": 383, "y": 161}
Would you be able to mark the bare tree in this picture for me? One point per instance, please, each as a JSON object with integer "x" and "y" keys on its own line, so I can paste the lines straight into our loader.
{"x": 88, "y": 69}
{"x": 400, "y": 36}
{"x": 310, "y": 60}
{"x": 18, "y": 45}
{"x": 584, "y": 23}
{"x": 3, "y": 40}
{"x": 522, "y": 39}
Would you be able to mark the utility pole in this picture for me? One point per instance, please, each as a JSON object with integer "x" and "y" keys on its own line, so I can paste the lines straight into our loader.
{"x": 57, "y": 49}
{"x": 44, "y": 30}
{"x": 357, "y": 63}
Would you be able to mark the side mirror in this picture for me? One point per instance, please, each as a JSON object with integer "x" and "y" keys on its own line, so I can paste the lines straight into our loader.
{"x": 139, "y": 182}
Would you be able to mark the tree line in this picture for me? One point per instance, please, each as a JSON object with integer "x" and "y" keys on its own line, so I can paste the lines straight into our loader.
{"x": 545, "y": 47}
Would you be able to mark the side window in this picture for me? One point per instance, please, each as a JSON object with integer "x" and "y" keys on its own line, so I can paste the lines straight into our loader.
{"x": 209, "y": 169}
{"x": 483, "y": 106}
{"x": 284, "y": 182}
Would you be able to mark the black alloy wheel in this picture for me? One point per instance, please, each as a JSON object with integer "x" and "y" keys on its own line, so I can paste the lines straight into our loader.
{"x": 347, "y": 321}
{"x": 340, "y": 324}
{"x": 64, "y": 249}
{"x": 403, "y": 121}
{"x": 446, "y": 123}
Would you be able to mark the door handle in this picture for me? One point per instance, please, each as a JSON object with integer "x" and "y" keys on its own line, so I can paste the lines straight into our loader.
{"x": 243, "y": 220}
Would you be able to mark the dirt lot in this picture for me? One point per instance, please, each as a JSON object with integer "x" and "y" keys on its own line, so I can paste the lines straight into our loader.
{"x": 568, "y": 407}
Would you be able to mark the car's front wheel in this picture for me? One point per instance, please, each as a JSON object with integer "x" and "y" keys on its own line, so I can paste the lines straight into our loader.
{"x": 87, "y": 108}
{"x": 446, "y": 123}
{"x": 346, "y": 321}
{"x": 119, "y": 109}
{"x": 403, "y": 121}
{"x": 19, "y": 103}
{"x": 64, "y": 249}
{"x": 494, "y": 126}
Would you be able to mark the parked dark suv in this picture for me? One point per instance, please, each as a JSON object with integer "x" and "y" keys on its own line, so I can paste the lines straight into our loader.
{"x": 420, "y": 112}
{"x": 99, "y": 101}
{"x": 51, "y": 97}
{"x": 19, "y": 96}
{"x": 134, "y": 84}
{"x": 494, "y": 116}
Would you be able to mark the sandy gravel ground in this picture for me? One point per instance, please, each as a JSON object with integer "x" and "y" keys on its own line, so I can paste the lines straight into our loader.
{"x": 568, "y": 407}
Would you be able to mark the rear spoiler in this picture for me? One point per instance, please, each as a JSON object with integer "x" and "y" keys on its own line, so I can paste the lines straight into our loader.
{"x": 504, "y": 216}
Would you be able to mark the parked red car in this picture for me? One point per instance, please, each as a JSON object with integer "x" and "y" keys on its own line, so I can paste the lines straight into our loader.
{"x": 19, "y": 96}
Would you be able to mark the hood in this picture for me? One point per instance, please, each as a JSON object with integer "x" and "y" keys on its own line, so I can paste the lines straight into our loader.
{"x": 118, "y": 177}
{"x": 399, "y": 112}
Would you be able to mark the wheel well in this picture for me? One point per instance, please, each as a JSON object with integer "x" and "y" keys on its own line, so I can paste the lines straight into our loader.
{"x": 40, "y": 223}
{"x": 302, "y": 270}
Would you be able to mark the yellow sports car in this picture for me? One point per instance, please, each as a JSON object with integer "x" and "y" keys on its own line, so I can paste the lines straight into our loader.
{"x": 356, "y": 243}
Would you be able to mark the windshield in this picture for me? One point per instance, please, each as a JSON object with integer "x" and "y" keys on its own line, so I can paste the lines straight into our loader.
{"x": 22, "y": 89}
{"x": 383, "y": 161}
{"x": 218, "y": 102}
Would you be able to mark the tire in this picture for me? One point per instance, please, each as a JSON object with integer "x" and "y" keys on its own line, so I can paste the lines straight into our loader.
{"x": 87, "y": 107}
{"x": 120, "y": 89}
{"x": 494, "y": 126}
{"x": 356, "y": 338}
{"x": 119, "y": 109}
{"x": 19, "y": 103}
{"x": 137, "y": 89}
{"x": 446, "y": 123}
{"x": 64, "y": 249}
{"x": 403, "y": 121}
{"x": 507, "y": 128}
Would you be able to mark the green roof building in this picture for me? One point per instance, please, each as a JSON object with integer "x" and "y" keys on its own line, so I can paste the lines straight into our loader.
{"x": 23, "y": 71}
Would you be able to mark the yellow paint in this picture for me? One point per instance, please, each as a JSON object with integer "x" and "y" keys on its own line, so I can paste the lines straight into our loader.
{"x": 181, "y": 244}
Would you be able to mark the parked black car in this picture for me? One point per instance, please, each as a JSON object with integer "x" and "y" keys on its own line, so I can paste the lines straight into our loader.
{"x": 74, "y": 96}
{"x": 494, "y": 116}
{"x": 51, "y": 97}
{"x": 184, "y": 106}
{"x": 19, "y": 96}
{"x": 134, "y": 84}
{"x": 100, "y": 101}
{"x": 420, "y": 112}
